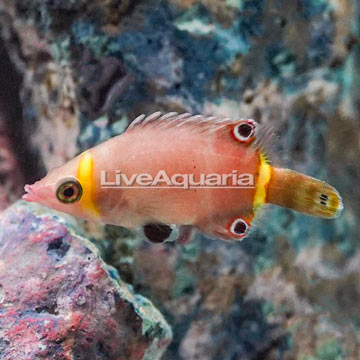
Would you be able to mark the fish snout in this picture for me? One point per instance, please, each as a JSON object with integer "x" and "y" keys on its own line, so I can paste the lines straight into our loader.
{"x": 35, "y": 192}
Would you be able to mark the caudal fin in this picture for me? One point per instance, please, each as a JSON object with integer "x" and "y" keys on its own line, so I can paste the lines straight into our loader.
{"x": 293, "y": 190}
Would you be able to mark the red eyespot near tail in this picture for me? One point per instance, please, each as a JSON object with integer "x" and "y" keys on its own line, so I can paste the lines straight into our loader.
{"x": 239, "y": 228}
{"x": 244, "y": 131}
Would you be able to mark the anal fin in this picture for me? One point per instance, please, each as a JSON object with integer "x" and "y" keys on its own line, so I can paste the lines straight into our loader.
{"x": 231, "y": 228}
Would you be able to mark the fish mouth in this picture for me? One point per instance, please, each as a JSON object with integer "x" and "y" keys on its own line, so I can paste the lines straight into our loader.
{"x": 31, "y": 193}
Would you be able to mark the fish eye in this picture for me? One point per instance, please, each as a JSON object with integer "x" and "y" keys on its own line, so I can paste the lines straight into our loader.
{"x": 244, "y": 131}
{"x": 69, "y": 191}
{"x": 239, "y": 228}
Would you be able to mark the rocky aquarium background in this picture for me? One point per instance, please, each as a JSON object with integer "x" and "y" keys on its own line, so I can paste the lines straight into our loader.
{"x": 74, "y": 73}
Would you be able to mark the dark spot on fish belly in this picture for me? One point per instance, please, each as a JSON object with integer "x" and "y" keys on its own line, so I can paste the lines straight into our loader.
{"x": 157, "y": 233}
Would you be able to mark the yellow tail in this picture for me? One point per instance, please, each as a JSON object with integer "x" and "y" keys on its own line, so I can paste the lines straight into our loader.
{"x": 290, "y": 189}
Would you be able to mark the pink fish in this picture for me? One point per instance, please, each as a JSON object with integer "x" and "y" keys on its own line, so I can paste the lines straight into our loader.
{"x": 171, "y": 174}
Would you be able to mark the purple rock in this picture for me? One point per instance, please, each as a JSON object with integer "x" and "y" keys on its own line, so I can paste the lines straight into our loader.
{"x": 59, "y": 300}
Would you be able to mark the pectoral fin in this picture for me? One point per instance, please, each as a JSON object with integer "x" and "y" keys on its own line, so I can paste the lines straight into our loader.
{"x": 186, "y": 234}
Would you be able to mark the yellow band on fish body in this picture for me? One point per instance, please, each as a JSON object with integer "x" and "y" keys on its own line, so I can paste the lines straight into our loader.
{"x": 86, "y": 179}
{"x": 262, "y": 182}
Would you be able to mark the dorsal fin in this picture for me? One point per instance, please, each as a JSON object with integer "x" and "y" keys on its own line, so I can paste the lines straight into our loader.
{"x": 198, "y": 123}
{"x": 203, "y": 124}
{"x": 265, "y": 141}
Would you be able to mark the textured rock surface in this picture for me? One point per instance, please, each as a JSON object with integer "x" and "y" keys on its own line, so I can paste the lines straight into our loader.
{"x": 59, "y": 300}
{"x": 88, "y": 67}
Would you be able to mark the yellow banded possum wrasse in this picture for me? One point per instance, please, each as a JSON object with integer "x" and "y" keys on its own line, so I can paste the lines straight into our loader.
{"x": 212, "y": 152}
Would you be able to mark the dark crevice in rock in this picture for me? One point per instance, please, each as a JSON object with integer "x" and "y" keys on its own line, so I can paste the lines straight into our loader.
{"x": 48, "y": 308}
{"x": 4, "y": 344}
{"x": 101, "y": 350}
{"x": 58, "y": 248}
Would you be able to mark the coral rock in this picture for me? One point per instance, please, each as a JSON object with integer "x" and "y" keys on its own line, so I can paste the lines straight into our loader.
{"x": 58, "y": 299}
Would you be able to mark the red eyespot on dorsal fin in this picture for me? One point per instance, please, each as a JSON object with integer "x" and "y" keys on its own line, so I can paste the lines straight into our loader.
{"x": 261, "y": 137}
{"x": 244, "y": 131}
